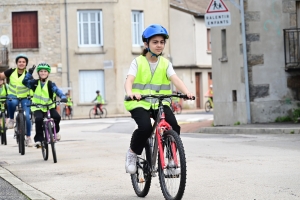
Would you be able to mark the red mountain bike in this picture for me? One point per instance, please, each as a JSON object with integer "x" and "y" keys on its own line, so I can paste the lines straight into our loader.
{"x": 165, "y": 143}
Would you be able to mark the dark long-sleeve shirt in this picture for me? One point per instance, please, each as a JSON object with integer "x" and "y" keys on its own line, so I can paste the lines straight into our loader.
{"x": 31, "y": 83}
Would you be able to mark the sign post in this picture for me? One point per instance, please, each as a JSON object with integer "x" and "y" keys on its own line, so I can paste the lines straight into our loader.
{"x": 217, "y": 14}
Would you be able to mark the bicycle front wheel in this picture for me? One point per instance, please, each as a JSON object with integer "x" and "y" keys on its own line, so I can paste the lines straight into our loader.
{"x": 45, "y": 150}
{"x": 21, "y": 128}
{"x": 104, "y": 113}
{"x": 172, "y": 178}
{"x": 52, "y": 142}
{"x": 3, "y": 130}
{"x": 64, "y": 114}
{"x": 207, "y": 106}
{"x": 141, "y": 180}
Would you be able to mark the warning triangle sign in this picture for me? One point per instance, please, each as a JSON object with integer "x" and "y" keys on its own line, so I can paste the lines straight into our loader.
{"x": 216, "y": 6}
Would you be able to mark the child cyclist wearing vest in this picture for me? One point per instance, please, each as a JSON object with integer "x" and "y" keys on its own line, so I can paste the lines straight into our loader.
{"x": 100, "y": 102}
{"x": 15, "y": 89}
{"x": 150, "y": 67}
{"x": 43, "y": 93}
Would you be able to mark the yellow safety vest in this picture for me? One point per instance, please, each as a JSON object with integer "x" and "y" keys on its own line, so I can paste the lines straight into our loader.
{"x": 41, "y": 96}
{"x": 16, "y": 86}
{"x": 144, "y": 83}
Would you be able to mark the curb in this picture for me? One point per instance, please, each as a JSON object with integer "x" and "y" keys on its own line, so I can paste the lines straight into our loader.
{"x": 24, "y": 188}
{"x": 248, "y": 130}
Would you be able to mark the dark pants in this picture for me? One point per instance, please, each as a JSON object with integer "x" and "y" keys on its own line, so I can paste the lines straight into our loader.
{"x": 98, "y": 105}
{"x": 38, "y": 114}
{"x": 142, "y": 118}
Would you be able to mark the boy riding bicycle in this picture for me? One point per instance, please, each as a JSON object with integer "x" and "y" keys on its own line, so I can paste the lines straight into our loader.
{"x": 100, "y": 102}
{"x": 149, "y": 73}
{"x": 17, "y": 91}
{"x": 43, "y": 94}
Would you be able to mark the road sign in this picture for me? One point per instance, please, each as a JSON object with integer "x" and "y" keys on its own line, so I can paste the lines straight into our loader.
{"x": 217, "y": 14}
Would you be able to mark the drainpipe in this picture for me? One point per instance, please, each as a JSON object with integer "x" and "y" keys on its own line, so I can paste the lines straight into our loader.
{"x": 245, "y": 62}
{"x": 67, "y": 44}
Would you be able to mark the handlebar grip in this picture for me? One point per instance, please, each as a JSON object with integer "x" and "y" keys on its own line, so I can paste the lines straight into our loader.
{"x": 127, "y": 98}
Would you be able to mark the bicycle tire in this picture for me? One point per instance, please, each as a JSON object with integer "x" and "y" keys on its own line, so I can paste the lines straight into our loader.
{"x": 143, "y": 173}
{"x": 3, "y": 130}
{"x": 92, "y": 113}
{"x": 207, "y": 106}
{"x": 50, "y": 132}
{"x": 168, "y": 179}
{"x": 178, "y": 109}
{"x": 45, "y": 149}
{"x": 104, "y": 113}
{"x": 21, "y": 131}
{"x": 64, "y": 114}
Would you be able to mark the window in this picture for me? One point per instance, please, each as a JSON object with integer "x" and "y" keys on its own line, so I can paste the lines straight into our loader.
{"x": 24, "y": 30}
{"x": 90, "y": 32}
{"x": 137, "y": 25}
{"x": 89, "y": 82}
{"x": 208, "y": 41}
{"x": 223, "y": 39}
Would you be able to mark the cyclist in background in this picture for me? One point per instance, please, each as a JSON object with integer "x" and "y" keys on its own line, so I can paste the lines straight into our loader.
{"x": 100, "y": 102}
{"x": 149, "y": 73}
{"x": 3, "y": 93}
{"x": 70, "y": 102}
{"x": 16, "y": 89}
{"x": 43, "y": 94}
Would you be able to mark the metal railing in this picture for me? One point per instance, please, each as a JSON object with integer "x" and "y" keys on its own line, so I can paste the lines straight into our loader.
{"x": 3, "y": 57}
{"x": 292, "y": 48}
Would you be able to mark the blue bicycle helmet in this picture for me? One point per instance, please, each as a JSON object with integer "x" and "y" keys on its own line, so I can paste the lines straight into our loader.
{"x": 22, "y": 56}
{"x": 154, "y": 29}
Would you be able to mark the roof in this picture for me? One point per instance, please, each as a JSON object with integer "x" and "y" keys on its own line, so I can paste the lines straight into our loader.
{"x": 194, "y": 7}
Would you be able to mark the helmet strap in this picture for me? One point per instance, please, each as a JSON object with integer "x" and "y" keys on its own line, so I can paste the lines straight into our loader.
{"x": 153, "y": 54}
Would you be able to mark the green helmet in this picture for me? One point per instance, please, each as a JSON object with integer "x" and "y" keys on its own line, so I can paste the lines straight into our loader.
{"x": 43, "y": 66}
{"x": 22, "y": 56}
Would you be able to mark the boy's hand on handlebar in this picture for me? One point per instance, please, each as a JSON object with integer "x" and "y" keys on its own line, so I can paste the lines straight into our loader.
{"x": 64, "y": 100}
{"x": 190, "y": 95}
{"x": 134, "y": 96}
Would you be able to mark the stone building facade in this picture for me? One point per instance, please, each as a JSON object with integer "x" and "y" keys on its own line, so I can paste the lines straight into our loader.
{"x": 49, "y": 33}
{"x": 273, "y": 63}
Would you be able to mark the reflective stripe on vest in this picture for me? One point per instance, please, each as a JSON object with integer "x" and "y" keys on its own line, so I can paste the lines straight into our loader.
{"x": 146, "y": 83}
{"x": 16, "y": 86}
{"x": 41, "y": 96}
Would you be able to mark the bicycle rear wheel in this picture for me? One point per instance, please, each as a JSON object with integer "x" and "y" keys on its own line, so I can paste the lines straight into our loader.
{"x": 52, "y": 142}
{"x": 3, "y": 130}
{"x": 207, "y": 106}
{"x": 178, "y": 109}
{"x": 172, "y": 179}
{"x": 141, "y": 180}
{"x": 104, "y": 113}
{"x": 45, "y": 150}
{"x": 21, "y": 127}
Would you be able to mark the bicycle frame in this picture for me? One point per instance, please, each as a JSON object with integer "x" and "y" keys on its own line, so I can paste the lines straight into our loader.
{"x": 159, "y": 127}
{"x": 48, "y": 121}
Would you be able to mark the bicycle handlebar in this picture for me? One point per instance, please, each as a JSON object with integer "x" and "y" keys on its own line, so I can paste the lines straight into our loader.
{"x": 160, "y": 96}
{"x": 11, "y": 98}
{"x": 38, "y": 105}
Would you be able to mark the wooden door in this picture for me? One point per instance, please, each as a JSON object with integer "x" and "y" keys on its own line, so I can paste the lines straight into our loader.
{"x": 25, "y": 30}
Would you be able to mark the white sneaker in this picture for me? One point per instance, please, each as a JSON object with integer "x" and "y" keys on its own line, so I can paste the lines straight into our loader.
{"x": 130, "y": 164}
{"x": 29, "y": 142}
{"x": 172, "y": 170}
{"x": 58, "y": 136}
{"x": 10, "y": 124}
{"x": 38, "y": 144}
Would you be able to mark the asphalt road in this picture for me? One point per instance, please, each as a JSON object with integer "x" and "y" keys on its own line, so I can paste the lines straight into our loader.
{"x": 220, "y": 166}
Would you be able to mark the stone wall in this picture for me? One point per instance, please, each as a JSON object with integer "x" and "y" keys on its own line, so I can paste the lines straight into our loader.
{"x": 49, "y": 32}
